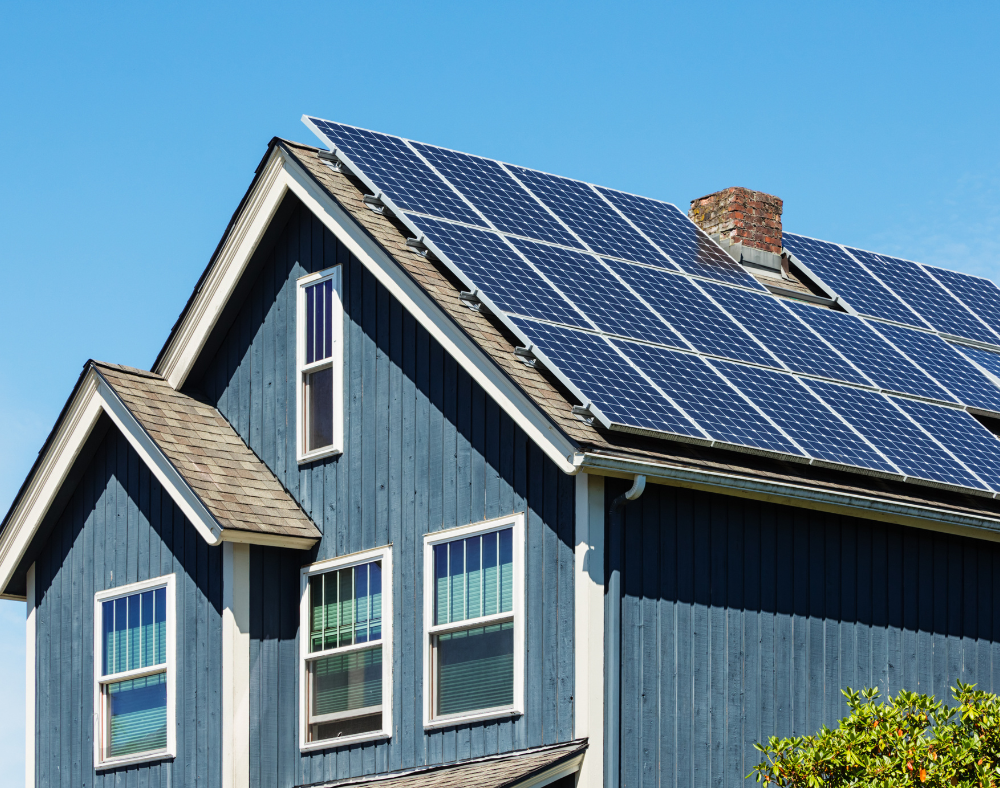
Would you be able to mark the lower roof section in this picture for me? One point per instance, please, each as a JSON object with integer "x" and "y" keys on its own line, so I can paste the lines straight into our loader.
{"x": 533, "y": 768}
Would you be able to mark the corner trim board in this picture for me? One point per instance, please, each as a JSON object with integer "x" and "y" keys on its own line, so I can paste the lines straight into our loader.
{"x": 235, "y": 665}
{"x": 29, "y": 683}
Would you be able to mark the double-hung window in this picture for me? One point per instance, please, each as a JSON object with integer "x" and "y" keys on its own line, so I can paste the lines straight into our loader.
{"x": 320, "y": 365}
{"x": 346, "y": 650}
{"x": 474, "y": 622}
{"x": 134, "y": 679}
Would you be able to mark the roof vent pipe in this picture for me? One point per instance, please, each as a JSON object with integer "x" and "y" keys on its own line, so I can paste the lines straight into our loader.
{"x": 638, "y": 486}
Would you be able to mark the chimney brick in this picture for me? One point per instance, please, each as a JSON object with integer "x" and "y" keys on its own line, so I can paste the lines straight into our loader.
{"x": 740, "y": 216}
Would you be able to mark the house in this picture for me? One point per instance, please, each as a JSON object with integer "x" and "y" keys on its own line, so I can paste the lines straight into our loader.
{"x": 396, "y": 505}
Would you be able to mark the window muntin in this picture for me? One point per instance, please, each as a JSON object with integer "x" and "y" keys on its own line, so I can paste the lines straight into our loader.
{"x": 474, "y": 624}
{"x": 345, "y": 657}
{"x": 133, "y": 672}
{"x": 320, "y": 356}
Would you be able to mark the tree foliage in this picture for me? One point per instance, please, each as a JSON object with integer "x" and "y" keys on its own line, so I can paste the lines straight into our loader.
{"x": 909, "y": 740}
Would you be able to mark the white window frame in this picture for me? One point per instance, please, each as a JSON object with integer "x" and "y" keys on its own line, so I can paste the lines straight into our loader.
{"x": 100, "y": 711}
{"x": 336, "y": 362}
{"x": 383, "y": 554}
{"x": 515, "y": 521}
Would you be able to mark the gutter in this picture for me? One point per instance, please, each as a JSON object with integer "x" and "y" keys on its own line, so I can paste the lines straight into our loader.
{"x": 874, "y": 507}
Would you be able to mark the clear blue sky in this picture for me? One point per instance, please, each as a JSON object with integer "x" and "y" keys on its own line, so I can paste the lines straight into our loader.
{"x": 130, "y": 133}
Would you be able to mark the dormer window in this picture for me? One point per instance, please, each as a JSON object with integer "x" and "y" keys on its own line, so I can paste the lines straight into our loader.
{"x": 320, "y": 365}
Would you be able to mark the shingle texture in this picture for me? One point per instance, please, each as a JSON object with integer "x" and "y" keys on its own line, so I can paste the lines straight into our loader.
{"x": 556, "y": 403}
{"x": 233, "y": 483}
{"x": 500, "y": 771}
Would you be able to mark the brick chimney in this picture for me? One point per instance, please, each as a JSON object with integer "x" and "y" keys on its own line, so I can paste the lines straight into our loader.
{"x": 746, "y": 224}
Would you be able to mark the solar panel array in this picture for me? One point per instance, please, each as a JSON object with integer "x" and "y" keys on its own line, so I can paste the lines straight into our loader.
{"x": 655, "y": 329}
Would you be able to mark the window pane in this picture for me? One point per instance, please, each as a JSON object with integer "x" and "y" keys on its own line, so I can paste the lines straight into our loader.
{"x": 134, "y": 630}
{"x": 375, "y": 590}
{"x": 441, "y": 584}
{"x": 491, "y": 576}
{"x": 317, "y": 623}
{"x": 147, "y": 634}
{"x": 475, "y": 669}
{"x": 319, "y": 321}
{"x": 506, "y": 570}
{"x": 345, "y": 607}
{"x": 474, "y": 577}
{"x": 361, "y": 603}
{"x": 345, "y": 581}
{"x": 341, "y": 684}
{"x": 310, "y": 322}
{"x": 328, "y": 318}
{"x": 160, "y": 621}
{"x": 121, "y": 635}
{"x": 108, "y": 638}
{"x": 319, "y": 409}
{"x": 137, "y": 715}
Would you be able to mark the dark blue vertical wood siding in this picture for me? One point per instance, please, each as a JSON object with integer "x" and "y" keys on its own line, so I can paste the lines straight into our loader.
{"x": 741, "y": 620}
{"x": 120, "y": 527}
{"x": 425, "y": 449}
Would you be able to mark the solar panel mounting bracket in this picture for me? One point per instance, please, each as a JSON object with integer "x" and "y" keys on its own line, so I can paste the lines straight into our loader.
{"x": 331, "y": 160}
{"x": 417, "y": 245}
{"x": 472, "y": 300}
{"x": 525, "y": 355}
{"x": 374, "y": 203}
{"x": 584, "y": 414}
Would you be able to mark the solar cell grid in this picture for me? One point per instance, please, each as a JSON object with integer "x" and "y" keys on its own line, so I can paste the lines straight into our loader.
{"x": 945, "y": 364}
{"x": 595, "y": 290}
{"x": 888, "y": 430}
{"x": 501, "y": 199}
{"x": 687, "y": 245}
{"x": 848, "y": 279}
{"x": 869, "y": 352}
{"x": 499, "y": 272}
{"x": 398, "y": 172}
{"x": 984, "y": 358}
{"x": 785, "y": 336}
{"x": 605, "y": 378}
{"x": 590, "y": 217}
{"x": 802, "y": 416}
{"x": 981, "y": 295}
{"x": 962, "y": 435}
{"x": 925, "y": 296}
{"x": 707, "y": 398}
{"x": 689, "y": 311}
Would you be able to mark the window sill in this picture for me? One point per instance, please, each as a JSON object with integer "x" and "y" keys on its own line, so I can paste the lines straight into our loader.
{"x": 478, "y": 716}
{"x": 344, "y": 741}
{"x": 319, "y": 455}
{"x": 132, "y": 760}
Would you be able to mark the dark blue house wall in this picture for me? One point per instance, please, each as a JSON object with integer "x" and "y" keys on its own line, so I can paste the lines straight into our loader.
{"x": 741, "y": 620}
{"x": 121, "y": 527}
{"x": 425, "y": 449}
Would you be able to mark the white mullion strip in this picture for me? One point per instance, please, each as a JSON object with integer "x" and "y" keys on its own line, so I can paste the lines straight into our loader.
{"x": 759, "y": 410}
{"x": 635, "y": 227}
{"x": 927, "y": 270}
{"x": 874, "y": 276}
{"x": 830, "y": 345}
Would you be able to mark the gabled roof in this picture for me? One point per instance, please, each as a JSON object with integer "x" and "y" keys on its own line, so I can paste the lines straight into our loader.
{"x": 219, "y": 484}
{"x": 523, "y": 769}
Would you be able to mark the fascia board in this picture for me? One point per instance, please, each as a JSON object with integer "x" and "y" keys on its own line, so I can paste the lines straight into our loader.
{"x": 429, "y": 314}
{"x": 872, "y": 508}
{"x": 232, "y": 259}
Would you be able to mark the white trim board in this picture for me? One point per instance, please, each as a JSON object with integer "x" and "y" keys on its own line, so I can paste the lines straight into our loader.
{"x": 235, "y": 665}
{"x": 30, "y": 691}
{"x": 93, "y": 397}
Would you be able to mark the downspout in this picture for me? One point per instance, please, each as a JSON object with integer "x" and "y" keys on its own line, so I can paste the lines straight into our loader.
{"x": 613, "y": 638}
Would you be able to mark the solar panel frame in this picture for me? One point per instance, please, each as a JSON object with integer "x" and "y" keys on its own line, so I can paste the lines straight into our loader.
{"x": 686, "y": 244}
{"x": 985, "y": 360}
{"x": 981, "y": 296}
{"x": 383, "y": 158}
{"x": 886, "y": 427}
{"x": 790, "y": 339}
{"x": 846, "y": 279}
{"x": 700, "y": 322}
{"x": 710, "y": 400}
{"x": 937, "y": 308}
{"x": 619, "y": 396}
{"x": 868, "y": 351}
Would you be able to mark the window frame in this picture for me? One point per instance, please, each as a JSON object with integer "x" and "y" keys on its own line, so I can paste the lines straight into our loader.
{"x": 383, "y": 554}
{"x": 169, "y": 668}
{"x": 335, "y": 362}
{"x": 517, "y": 615}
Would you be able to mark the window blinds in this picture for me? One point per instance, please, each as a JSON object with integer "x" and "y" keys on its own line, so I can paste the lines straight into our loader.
{"x": 474, "y": 577}
{"x": 346, "y": 607}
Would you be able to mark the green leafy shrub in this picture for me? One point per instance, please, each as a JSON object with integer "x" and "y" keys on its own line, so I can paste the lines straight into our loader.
{"x": 910, "y": 740}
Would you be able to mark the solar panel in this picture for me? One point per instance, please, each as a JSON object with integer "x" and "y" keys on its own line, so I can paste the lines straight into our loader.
{"x": 686, "y": 244}
{"x": 590, "y": 217}
{"x": 848, "y": 279}
{"x": 596, "y": 291}
{"x": 908, "y": 447}
{"x": 804, "y": 417}
{"x": 945, "y": 364}
{"x": 925, "y": 296}
{"x": 706, "y": 327}
{"x": 398, "y": 172}
{"x": 499, "y": 272}
{"x": 984, "y": 358}
{"x": 869, "y": 352}
{"x": 600, "y": 373}
{"x": 965, "y": 437}
{"x": 501, "y": 199}
{"x": 789, "y": 339}
{"x": 981, "y": 295}
{"x": 707, "y": 398}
